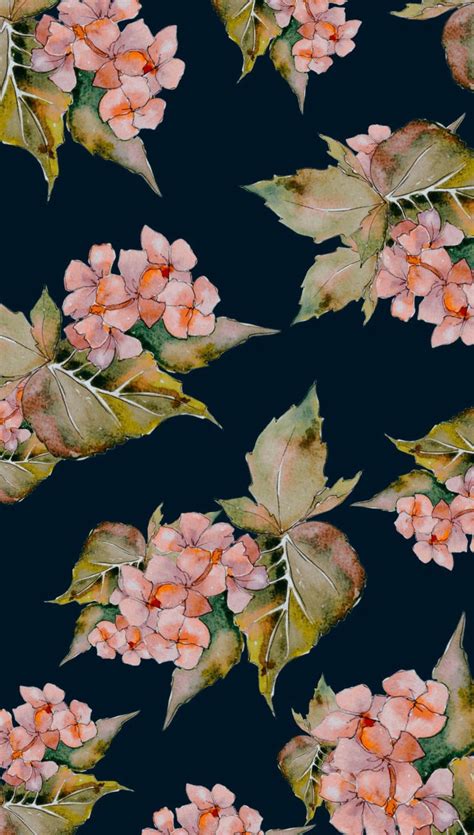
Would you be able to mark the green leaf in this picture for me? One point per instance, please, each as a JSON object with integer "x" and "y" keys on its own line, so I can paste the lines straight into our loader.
{"x": 320, "y": 204}
{"x": 248, "y": 516}
{"x": 86, "y": 622}
{"x": 283, "y": 61}
{"x": 77, "y": 411}
{"x": 216, "y": 662}
{"x": 457, "y": 737}
{"x": 316, "y": 580}
{"x": 287, "y": 463}
{"x": 346, "y": 158}
{"x": 91, "y": 752}
{"x": 334, "y": 280}
{"x": 155, "y": 522}
{"x": 251, "y": 25}
{"x": 88, "y": 129}
{"x": 21, "y": 472}
{"x": 300, "y": 762}
{"x": 458, "y": 42}
{"x": 370, "y": 236}
{"x": 322, "y": 703}
{"x": 65, "y": 802}
{"x": 332, "y": 497}
{"x": 424, "y": 160}
{"x": 427, "y": 9}
{"x": 463, "y": 799}
{"x": 19, "y": 353}
{"x": 46, "y": 322}
{"x": 16, "y": 10}
{"x": 183, "y": 355}
{"x": 31, "y": 106}
{"x": 417, "y": 481}
{"x": 108, "y": 547}
{"x": 464, "y": 250}
{"x": 446, "y": 450}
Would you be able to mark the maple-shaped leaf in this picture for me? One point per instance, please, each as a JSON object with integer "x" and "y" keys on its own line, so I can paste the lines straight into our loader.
{"x": 20, "y": 352}
{"x": 78, "y": 412}
{"x": 251, "y": 25}
{"x": 64, "y": 803}
{"x": 458, "y": 42}
{"x": 32, "y": 108}
{"x": 21, "y": 472}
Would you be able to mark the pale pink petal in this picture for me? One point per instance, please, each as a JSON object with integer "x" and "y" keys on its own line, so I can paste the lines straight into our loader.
{"x": 404, "y": 683}
{"x": 355, "y": 699}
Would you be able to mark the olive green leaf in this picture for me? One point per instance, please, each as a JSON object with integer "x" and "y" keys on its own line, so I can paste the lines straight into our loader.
{"x": 251, "y": 25}
{"x": 108, "y": 547}
{"x": 77, "y": 411}
{"x": 282, "y": 57}
{"x": 19, "y": 351}
{"x": 88, "y": 129}
{"x": 21, "y": 472}
{"x": 65, "y": 802}
{"x": 447, "y": 450}
{"x": 31, "y": 106}
{"x": 248, "y": 516}
{"x": 457, "y": 737}
{"x": 300, "y": 763}
{"x": 463, "y": 798}
{"x": 46, "y": 322}
{"x": 335, "y": 279}
{"x": 458, "y": 42}
{"x": 426, "y": 9}
{"x": 223, "y": 653}
{"x": 417, "y": 481}
{"x": 183, "y": 355}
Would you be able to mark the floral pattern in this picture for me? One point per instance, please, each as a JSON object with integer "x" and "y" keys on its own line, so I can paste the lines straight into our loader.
{"x": 45, "y": 745}
{"x": 95, "y": 61}
{"x": 129, "y": 323}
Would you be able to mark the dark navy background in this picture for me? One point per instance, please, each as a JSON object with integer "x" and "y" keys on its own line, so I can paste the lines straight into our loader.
{"x": 382, "y": 378}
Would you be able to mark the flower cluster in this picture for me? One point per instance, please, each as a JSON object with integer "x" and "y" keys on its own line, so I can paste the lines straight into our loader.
{"x": 132, "y": 64}
{"x": 324, "y": 31}
{"x": 440, "y": 531}
{"x": 161, "y": 606}
{"x": 210, "y": 812}
{"x": 418, "y": 264}
{"x": 44, "y": 721}
{"x": 369, "y": 775}
{"x": 11, "y": 420}
{"x": 153, "y": 283}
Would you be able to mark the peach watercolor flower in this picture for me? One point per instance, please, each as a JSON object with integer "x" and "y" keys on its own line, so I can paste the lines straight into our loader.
{"x": 242, "y": 576}
{"x": 312, "y": 55}
{"x": 55, "y": 55}
{"x": 428, "y": 807}
{"x": 174, "y": 260}
{"x": 463, "y": 485}
{"x": 38, "y": 712}
{"x": 207, "y": 808}
{"x": 310, "y": 10}
{"x": 365, "y": 144}
{"x": 360, "y": 802}
{"x": 74, "y": 724}
{"x": 6, "y": 727}
{"x": 284, "y": 11}
{"x": 144, "y": 283}
{"x": 447, "y": 275}
{"x": 428, "y": 233}
{"x": 134, "y": 649}
{"x": 358, "y": 709}
{"x": 163, "y": 821}
{"x": 333, "y": 28}
{"x": 247, "y": 821}
{"x": 11, "y": 418}
{"x": 26, "y": 746}
{"x": 189, "y": 308}
{"x": 459, "y": 320}
{"x": 105, "y": 343}
{"x": 177, "y": 638}
{"x": 414, "y": 515}
{"x": 139, "y": 53}
{"x": 130, "y": 108}
{"x": 83, "y": 12}
{"x": 30, "y": 774}
{"x": 414, "y": 706}
{"x": 107, "y": 637}
{"x": 445, "y": 538}
{"x": 392, "y": 282}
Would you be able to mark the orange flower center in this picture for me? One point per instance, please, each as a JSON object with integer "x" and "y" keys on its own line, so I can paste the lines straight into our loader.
{"x": 414, "y": 259}
{"x": 79, "y": 32}
{"x": 391, "y": 807}
{"x": 149, "y": 67}
{"x": 367, "y": 722}
{"x": 97, "y": 309}
{"x": 334, "y": 36}
{"x": 216, "y": 556}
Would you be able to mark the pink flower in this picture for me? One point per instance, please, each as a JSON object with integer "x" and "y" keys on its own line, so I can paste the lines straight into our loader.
{"x": 30, "y": 774}
{"x": 134, "y": 648}
{"x": 130, "y": 108}
{"x": 446, "y": 275}
{"x": 200, "y": 546}
{"x": 414, "y": 515}
{"x": 74, "y": 724}
{"x": 392, "y": 282}
{"x": 358, "y": 711}
{"x": 309, "y": 10}
{"x": 6, "y": 727}
{"x": 428, "y": 808}
{"x": 174, "y": 260}
{"x": 242, "y": 577}
{"x": 367, "y": 143}
{"x": 284, "y": 11}
{"x": 415, "y": 706}
{"x": 144, "y": 283}
{"x": 428, "y": 233}
{"x": 312, "y": 55}
{"x": 82, "y": 12}
{"x": 177, "y": 638}
{"x": 173, "y": 585}
{"x": 207, "y": 808}
{"x": 11, "y": 418}
{"x": 332, "y": 27}
{"x": 463, "y": 485}
{"x": 26, "y": 746}
{"x": 189, "y": 308}
{"x": 459, "y": 321}
{"x": 163, "y": 821}
{"x": 108, "y": 637}
{"x": 138, "y": 53}
{"x": 37, "y": 714}
{"x": 247, "y": 821}
{"x": 55, "y": 56}
{"x": 105, "y": 342}
{"x": 445, "y": 538}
